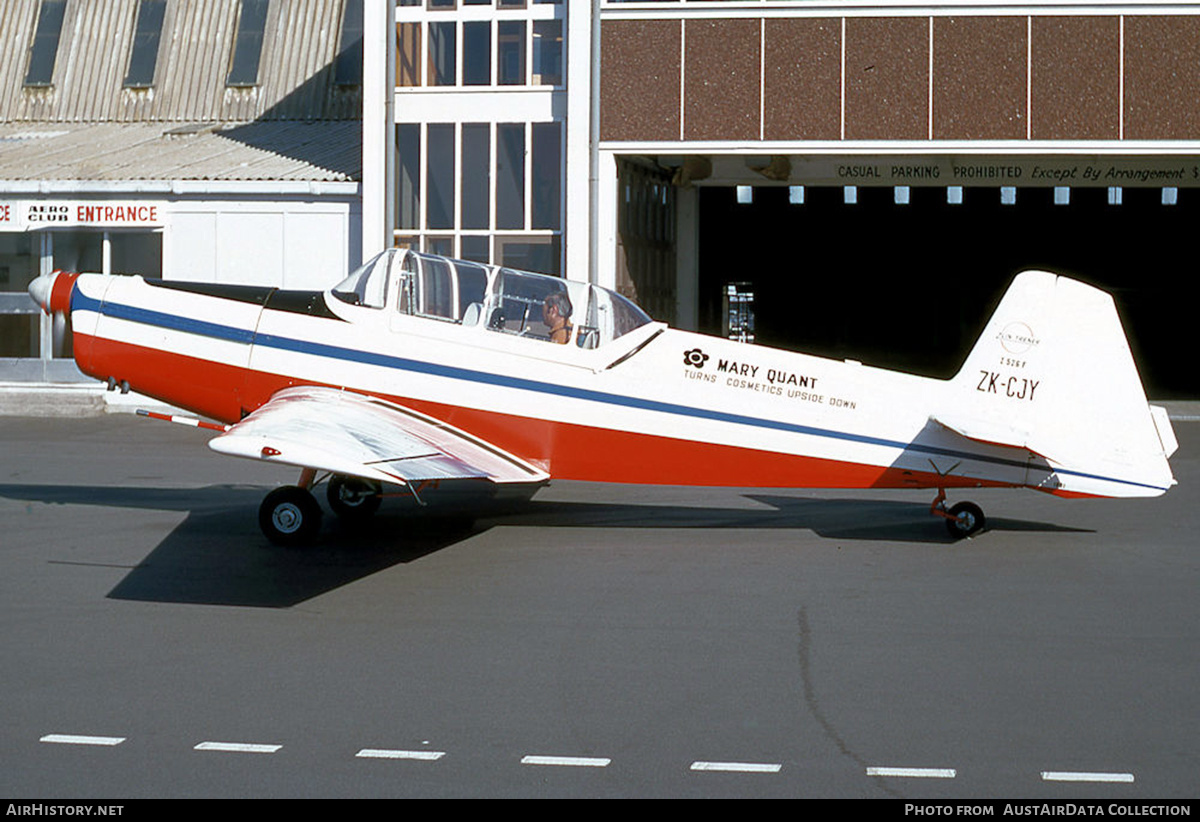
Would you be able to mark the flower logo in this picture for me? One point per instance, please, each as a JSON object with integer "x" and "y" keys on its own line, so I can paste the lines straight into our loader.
{"x": 695, "y": 357}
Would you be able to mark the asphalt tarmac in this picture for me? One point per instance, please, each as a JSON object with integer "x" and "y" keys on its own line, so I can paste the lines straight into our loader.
{"x": 604, "y": 641}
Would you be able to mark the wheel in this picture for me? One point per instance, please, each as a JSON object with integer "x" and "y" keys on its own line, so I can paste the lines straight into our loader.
{"x": 290, "y": 516}
{"x": 968, "y": 520}
{"x": 353, "y": 499}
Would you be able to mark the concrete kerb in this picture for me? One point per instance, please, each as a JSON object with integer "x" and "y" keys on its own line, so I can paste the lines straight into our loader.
{"x": 71, "y": 400}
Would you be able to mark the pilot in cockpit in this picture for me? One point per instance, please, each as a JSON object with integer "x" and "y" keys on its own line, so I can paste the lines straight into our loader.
{"x": 556, "y": 314}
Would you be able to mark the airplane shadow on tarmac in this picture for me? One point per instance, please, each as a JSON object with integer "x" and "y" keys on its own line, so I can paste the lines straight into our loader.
{"x": 218, "y": 556}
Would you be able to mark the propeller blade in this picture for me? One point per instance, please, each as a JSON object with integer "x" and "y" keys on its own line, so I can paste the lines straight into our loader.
{"x": 59, "y": 330}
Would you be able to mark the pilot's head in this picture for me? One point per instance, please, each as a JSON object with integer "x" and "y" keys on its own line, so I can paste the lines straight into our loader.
{"x": 557, "y": 303}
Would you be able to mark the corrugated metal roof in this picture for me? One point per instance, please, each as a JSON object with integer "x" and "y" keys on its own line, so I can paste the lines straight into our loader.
{"x": 300, "y": 45}
{"x": 265, "y": 150}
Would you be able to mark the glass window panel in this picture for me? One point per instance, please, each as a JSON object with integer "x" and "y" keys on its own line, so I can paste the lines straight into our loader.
{"x": 472, "y": 285}
{"x": 408, "y": 54}
{"x": 44, "y": 51}
{"x": 136, "y": 252}
{"x": 436, "y": 297}
{"x": 510, "y": 53}
{"x": 19, "y": 260}
{"x": 144, "y": 55}
{"x": 547, "y": 175}
{"x": 406, "y": 282}
{"x": 442, "y": 44}
{"x": 348, "y": 68}
{"x": 477, "y": 53}
{"x": 247, "y": 48}
{"x": 440, "y": 245}
{"x": 476, "y": 175}
{"x": 19, "y": 335}
{"x": 476, "y": 248}
{"x": 626, "y": 315}
{"x": 510, "y": 175}
{"x": 79, "y": 250}
{"x": 439, "y": 176}
{"x": 540, "y": 254}
{"x": 547, "y": 53}
{"x": 408, "y": 170}
{"x": 367, "y": 284}
{"x": 519, "y": 301}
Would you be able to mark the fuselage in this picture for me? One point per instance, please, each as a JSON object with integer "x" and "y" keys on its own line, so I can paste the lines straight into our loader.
{"x": 637, "y": 402}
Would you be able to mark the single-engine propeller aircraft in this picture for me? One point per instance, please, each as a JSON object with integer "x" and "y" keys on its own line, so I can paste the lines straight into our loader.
{"x": 418, "y": 369}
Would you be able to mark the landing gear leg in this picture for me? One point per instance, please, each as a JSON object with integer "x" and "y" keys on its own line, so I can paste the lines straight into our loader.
{"x": 963, "y": 519}
{"x": 290, "y": 515}
{"x": 353, "y": 499}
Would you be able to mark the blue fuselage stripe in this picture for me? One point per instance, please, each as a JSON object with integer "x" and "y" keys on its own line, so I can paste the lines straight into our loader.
{"x": 244, "y": 336}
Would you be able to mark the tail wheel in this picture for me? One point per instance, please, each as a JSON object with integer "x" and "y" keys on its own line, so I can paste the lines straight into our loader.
{"x": 290, "y": 516}
{"x": 965, "y": 519}
{"x": 353, "y": 499}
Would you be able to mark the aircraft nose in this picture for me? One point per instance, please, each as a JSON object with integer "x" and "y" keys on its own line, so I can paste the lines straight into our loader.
{"x": 53, "y": 291}
{"x": 41, "y": 288}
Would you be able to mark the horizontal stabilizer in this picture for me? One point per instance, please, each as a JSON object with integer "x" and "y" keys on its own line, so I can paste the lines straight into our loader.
{"x": 990, "y": 433}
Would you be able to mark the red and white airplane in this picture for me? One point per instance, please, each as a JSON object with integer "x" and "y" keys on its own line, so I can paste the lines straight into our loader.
{"x": 419, "y": 369}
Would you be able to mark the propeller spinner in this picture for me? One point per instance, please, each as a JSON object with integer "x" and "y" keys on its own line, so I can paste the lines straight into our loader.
{"x": 53, "y": 293}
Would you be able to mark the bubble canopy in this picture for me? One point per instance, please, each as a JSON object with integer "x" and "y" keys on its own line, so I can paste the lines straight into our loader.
{"x": 498, "y": 299}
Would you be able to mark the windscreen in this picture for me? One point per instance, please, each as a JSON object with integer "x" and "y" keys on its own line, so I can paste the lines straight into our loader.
{"x": 367, "y": 284}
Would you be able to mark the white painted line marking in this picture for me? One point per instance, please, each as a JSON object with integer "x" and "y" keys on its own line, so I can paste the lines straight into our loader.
{"x": 567, "y": 761}
{"x": 237, "y": 747}
{"x": 737, "y": 767}
{"x": 1083, "y": 776}
{"x": 76, "y": 739}
{"x": 383, "y": 753}
{"x": 918, "y": 773}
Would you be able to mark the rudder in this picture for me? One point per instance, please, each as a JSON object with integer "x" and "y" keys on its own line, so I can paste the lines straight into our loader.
{"x": 1052, "y": 372}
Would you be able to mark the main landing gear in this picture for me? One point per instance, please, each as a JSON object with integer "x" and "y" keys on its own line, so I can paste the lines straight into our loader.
{"x": 963, "y": 519}
{"x": 290, "y": 515}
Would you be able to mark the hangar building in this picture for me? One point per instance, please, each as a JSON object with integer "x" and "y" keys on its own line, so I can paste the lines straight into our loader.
{"x": 859, "y": 178}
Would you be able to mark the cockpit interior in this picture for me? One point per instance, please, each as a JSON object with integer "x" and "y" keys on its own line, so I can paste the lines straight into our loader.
{"x": 498, "y": 299}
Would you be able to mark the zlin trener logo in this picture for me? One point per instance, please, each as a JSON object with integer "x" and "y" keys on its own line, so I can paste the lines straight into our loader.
{"x": 1017, "y": 338}
{"x": 695, "y": 357}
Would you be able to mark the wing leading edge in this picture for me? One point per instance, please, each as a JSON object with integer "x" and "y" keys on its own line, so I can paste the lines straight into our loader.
{"x": 357, "y": 435}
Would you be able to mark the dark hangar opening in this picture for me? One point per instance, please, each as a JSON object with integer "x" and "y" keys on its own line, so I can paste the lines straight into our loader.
{"x": 910, "y": 286}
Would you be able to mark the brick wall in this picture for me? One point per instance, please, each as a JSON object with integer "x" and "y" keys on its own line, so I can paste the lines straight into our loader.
{"x": 1004, "y": 77}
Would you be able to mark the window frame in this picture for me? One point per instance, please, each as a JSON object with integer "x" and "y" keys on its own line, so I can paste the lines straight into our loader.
{"x": 44, "y": 44}
{"x": 248, "y": 42}
{"x": 145, "y": 44}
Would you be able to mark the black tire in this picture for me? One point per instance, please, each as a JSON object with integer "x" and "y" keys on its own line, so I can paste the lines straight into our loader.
{"x": 290, "y": 516}
{"x": 968, "y": 520}
{"x": 353, "y": 499}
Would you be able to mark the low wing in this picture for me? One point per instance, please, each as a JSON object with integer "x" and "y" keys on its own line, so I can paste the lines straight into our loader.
{"x": 362, "y": 436}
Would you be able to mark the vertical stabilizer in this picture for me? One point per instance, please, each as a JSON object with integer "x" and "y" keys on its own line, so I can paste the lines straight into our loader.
{"x": 1052, "y": 372}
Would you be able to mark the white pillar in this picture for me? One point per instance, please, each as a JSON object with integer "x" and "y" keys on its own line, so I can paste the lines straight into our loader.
{"x": 379, "y": 125}
{"x": 581, "y": 106}
{"x": 607, "y": 200}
